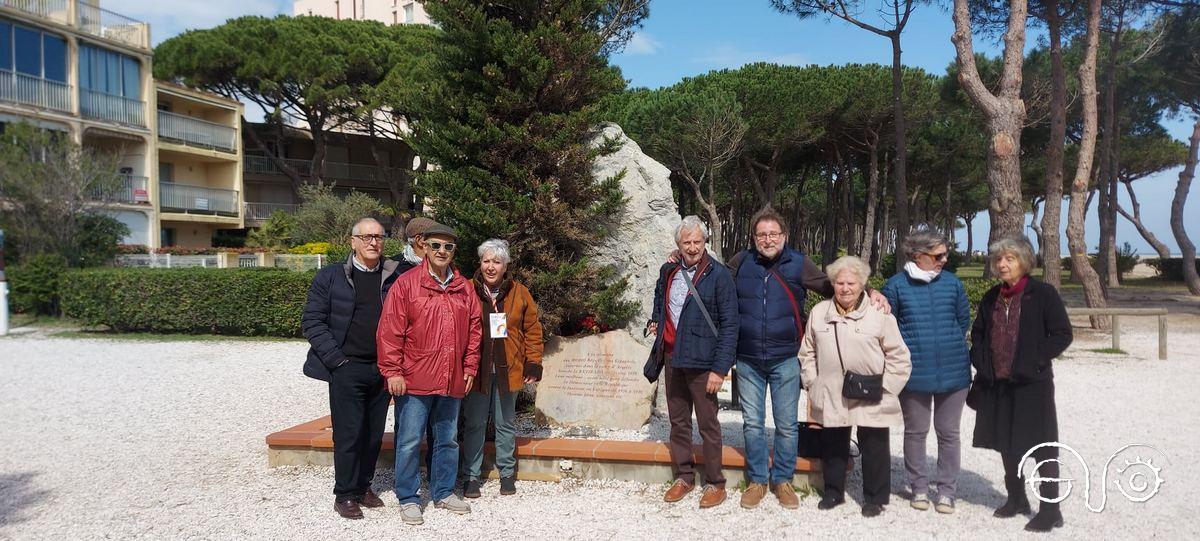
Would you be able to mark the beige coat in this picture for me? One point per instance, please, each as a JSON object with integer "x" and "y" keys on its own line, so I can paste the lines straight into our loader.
{"x": 870, "y": 344}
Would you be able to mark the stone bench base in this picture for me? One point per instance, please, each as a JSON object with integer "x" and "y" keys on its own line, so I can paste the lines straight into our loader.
{"x": 538, "y": 459}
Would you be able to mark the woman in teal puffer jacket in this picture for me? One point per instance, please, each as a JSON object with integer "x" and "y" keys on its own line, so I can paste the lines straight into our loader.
{"x": 932, "y": 309}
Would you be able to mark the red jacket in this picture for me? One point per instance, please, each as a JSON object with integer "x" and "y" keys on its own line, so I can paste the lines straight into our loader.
{"x": 430, "y": 335}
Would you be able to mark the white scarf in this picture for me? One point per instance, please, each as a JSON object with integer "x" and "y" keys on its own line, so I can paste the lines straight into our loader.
{"x": 919, "y": 274}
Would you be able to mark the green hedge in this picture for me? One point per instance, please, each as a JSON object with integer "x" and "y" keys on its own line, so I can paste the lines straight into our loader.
{"x": 34, "y": 284}
{"x": 251, "y": 302}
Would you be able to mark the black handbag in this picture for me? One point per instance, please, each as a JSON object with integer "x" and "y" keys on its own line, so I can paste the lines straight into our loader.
{"x": 855, "y": 386}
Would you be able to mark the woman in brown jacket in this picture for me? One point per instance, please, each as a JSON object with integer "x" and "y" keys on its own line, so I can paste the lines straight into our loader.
{"x": 510, "y": 358}
{"x": 848, "y": 334}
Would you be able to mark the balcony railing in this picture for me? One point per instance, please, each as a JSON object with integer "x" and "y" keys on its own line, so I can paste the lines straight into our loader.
{"x": 333, "y": 170}
{"x": 104, "y": 106}
{"x": 35, "y": 91}
{"x": 133, "y": 190}
{"x": 196, "y": 132}
{"x": 55, "y": 10}
{"x": 197, "y": 199}
{"x": 261, "y": 211}
{"x": 98, "y": 21}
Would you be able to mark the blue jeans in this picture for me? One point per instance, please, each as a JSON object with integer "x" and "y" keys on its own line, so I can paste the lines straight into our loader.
{"x": 782, "y": 376}
{"x": 412, "y": 414}
{"x": 502, "y": 407}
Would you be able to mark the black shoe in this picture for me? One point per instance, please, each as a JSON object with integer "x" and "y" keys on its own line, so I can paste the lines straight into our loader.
{"x": 508, "y": 486}
{"x": 1045, "y": 521}
{"x": 871, "y": 510}
{"x": 471, "y": 489}
{"x": 1013, "y": 507}
{"x": 829, "y": 502}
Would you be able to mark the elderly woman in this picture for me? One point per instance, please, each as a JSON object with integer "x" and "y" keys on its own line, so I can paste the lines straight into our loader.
{"x": 1020, "y": 327}
{"x": 510, "y": 358}
{"x": 848, "y": 340}
{"x": 934, "y": 315}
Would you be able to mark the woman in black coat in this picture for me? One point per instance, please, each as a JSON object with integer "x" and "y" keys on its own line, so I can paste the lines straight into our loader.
{"x": 1020, "y": 327}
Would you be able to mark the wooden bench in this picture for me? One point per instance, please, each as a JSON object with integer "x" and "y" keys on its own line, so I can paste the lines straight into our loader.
{"x": 1116, "y": 313}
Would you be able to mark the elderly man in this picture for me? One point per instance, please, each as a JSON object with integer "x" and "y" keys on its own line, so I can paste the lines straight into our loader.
{"x": 697, "y": 342}
{"x": 429, "y": 353}
{"x": 772, "y": 280}
{"x": 414, "y": 248}
{"x": 339, "y": 321}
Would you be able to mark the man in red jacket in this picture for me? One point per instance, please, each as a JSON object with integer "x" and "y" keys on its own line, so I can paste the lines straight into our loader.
{"x": 428, "y": 340}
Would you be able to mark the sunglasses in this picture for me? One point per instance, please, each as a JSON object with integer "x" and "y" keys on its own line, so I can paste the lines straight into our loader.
{"x": 435, "y": 246}
{"x": 939, "y": 257}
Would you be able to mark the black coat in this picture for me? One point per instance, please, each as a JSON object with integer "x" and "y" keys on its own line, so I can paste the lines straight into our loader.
{"x": 1016, "y": 414}
{"x": 329, "y": 310}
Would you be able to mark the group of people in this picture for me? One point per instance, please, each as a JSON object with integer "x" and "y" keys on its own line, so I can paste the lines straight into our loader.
{"x": 868, "y": 361}
{"x": 414, "y": 330}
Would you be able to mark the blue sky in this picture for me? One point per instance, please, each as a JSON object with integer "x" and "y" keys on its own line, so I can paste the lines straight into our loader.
{"x": 689, "y": 37}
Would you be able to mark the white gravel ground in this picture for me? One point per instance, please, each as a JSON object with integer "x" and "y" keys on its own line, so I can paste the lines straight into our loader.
{"x": 118, "y": 439}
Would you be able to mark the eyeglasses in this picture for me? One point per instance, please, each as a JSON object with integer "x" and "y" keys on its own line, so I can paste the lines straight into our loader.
{"x": 435, "y": 246}
{"x": 369, "y": 239}
{"x": 770, "y": 236}
{"x": 943, "y": 256}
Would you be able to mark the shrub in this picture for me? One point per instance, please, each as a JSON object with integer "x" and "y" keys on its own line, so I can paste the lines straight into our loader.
{"x": 275, "y": 233}
{"x": 324, "y": 216}
{"x": 1170, "y": 269}
{"x": 98, "y": 239}
{"x": 311, "y": 248}
{"x": 132, "y": 249}
{"x": 35, "y": 284}
{"x": 192, "y": 301}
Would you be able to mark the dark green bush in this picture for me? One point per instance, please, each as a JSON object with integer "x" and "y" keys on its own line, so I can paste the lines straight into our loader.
{"x": 35, "y": 284}
{"x": 1170, "y": 269}
{"x": 98, "y": 240}
{"x": 249, "y": 302}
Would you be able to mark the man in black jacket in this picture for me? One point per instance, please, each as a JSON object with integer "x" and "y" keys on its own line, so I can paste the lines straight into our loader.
{"x": 340, "y": 318}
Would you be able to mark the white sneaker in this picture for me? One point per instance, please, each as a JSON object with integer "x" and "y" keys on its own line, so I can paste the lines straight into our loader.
{"x": 410, "y": 513}
{"x": 945, "y": 505}
{"x": 920, "y": 502}
{"x": 454, "y": 504}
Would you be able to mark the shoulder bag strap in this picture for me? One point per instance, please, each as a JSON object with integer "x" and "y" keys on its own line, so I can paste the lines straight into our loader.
{"x": 700, "y": 303}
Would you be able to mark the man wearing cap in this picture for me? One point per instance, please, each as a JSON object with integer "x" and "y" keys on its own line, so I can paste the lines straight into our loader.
{"x": 339, "y": 320}
{"x": 414, "y": 249}
{"x": 428, "y": 340}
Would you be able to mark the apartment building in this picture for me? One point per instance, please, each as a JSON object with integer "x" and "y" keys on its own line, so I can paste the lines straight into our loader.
{"x": 349, "y": 166}
{"x": 384, "y": 11}
{"x": 75, "y": 67}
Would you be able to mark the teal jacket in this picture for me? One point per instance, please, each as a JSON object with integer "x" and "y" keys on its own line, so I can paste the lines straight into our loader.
{"x": 934, "y": 319}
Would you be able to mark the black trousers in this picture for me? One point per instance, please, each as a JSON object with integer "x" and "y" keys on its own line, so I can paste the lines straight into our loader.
{"x": 358, "y": 403}
{"x": 876, "y": 458}
{"x": 1016, "y": 486}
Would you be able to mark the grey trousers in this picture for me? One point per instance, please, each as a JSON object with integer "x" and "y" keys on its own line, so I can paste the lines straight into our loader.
{"x": 947, "y": 414}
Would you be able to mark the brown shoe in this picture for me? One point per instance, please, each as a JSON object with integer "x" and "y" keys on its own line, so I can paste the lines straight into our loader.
{"x": 348, "y": 509}
{"x": 787, "y": 495}
{"x": 753, "y": 495}
{"x": 370, "y": 499}
{"x": 677, "y": 491}
{"x": 712, "y": 497}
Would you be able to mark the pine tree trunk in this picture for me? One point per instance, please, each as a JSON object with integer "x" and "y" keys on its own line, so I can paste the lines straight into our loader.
{"x": 1186, "y": 248}
{"x": 1051, "y": 246}
{"x": 1136, "y": 219}
{"x": 868, "y": 238}
{"x": 901, "y": 156}
{"x": 1080, "y": 266}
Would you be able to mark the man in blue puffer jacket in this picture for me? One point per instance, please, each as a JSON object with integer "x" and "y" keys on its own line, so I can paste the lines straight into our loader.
{"x": 931, "y": 307}
{"x": 772, "y": 281}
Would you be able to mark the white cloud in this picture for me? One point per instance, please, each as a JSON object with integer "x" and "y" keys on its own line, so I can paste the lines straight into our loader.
{"x": 170, "y": 17}
{"x": 642, "y": 44}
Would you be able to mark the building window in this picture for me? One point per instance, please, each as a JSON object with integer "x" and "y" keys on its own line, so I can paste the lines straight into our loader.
{"x": 408, "y": 13}
{"x": 109, "y": 72}
{"x": 32, "y": 52}
{"x": 166, "y": 172}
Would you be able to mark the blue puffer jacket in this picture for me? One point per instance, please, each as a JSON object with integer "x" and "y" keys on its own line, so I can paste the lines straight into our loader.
{"x": 771, "y": 325}
{"x": 695, "y": 344}
{"x": 934, "y": 318}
